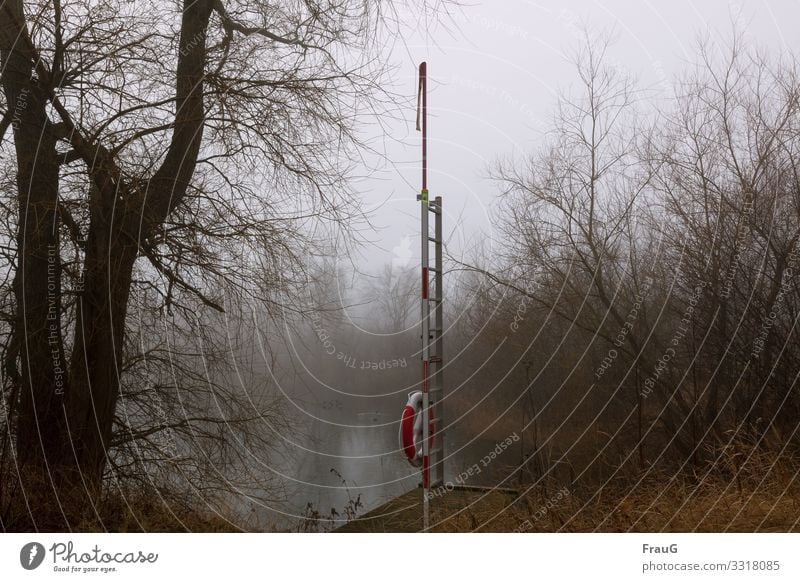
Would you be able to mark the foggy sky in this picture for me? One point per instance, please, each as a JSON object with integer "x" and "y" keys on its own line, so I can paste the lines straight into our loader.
{"x": 496, "y": 69}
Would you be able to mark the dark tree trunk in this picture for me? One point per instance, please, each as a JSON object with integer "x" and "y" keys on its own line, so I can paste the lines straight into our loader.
{"x": 97, "y": 350}
{"x": 65, "y": 414}
{"x": 35, "y": 360}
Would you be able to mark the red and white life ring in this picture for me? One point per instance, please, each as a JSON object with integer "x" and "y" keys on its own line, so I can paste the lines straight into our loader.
{"x": 410, "y": 434}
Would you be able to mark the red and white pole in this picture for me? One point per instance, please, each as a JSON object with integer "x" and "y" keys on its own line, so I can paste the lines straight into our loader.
{"x": 422, "y": 116}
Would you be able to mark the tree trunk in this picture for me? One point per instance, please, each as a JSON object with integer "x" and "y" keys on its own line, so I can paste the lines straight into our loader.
{"x": 97, "y": 351}
{"x": 35, "y": 359}
{"x": 65, "y": 414}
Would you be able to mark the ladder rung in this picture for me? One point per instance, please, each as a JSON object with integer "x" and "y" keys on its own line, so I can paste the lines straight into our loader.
{"x": 433, "y": 239}
{"x": 435, "y": 360}
{"x": 434, "y": 270}
{"x": 435, "y": 299}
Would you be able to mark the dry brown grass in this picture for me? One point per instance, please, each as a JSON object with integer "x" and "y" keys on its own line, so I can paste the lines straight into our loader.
{"x": 134, "y": 510}
{"x": 744, "y": 491}
{"x": 151, "y": 512}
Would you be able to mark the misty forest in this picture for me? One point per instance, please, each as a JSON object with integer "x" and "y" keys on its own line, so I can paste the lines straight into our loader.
{"x": 197, "y": 335}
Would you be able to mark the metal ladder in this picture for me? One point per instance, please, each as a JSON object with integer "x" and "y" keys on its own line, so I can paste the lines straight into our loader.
{"x": 432, "y": 355}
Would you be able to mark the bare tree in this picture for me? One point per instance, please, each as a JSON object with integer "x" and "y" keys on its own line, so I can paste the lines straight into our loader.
{"x": 727, "y": 176}
{"x": 166, "y": 157}
{"x": 670, "y": 242}
{"x": 394, "y": 294}
{"x": 570, "y": 211}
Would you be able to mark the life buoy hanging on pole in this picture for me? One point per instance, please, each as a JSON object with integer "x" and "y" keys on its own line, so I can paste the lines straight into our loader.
{"x": 410, "y": 434}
